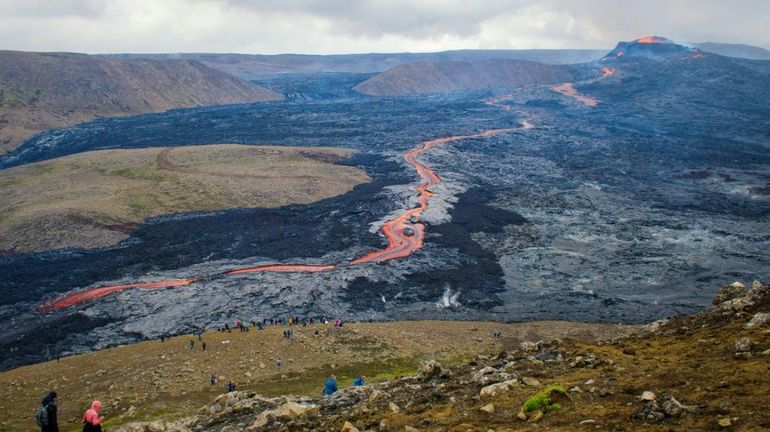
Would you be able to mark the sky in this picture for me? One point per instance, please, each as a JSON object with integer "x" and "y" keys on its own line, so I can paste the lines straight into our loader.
{"x": 356, "y": 26}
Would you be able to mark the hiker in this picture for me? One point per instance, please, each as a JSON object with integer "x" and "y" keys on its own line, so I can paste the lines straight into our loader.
{"x": 230, "y": 386}
{"x": 214, "y": 378}
{"x": 359, "y": 381}
{"x": 278, "y": 363}
{"x": 316, "y": 333}
{"x": 92, "y": 422}
{"x": 45, "y": 416}
{"x": 203, "y": 345}
{"x": 331, "y": 386}
{"x": 496, "y": 333}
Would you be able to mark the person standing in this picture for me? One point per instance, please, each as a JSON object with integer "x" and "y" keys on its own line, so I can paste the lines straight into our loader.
{"x": 46, "y": 415}
{"x": 92, "y": 421}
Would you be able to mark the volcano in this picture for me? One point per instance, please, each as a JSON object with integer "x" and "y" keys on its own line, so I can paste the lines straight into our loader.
{"x": 651, "y": 47}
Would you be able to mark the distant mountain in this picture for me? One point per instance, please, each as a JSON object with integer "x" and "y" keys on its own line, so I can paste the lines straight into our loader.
{"x": 735, "y": 50}
{"x": 250, "y": 66}
{"x": 442, "y": 77}
{"x": 40, "y": 91}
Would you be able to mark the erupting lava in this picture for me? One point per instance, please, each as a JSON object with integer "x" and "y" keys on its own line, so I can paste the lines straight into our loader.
{"x": 651, "y": 40}
{"x": 405, "y": 235}
{"x": 608, "y": 72}
{"x": 568, "y": 89}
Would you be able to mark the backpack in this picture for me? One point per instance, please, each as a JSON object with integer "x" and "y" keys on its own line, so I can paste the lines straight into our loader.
{"x": 41, "y": 416}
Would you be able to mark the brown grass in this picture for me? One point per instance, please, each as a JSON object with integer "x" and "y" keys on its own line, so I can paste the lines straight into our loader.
{"x": 95, "y": 199}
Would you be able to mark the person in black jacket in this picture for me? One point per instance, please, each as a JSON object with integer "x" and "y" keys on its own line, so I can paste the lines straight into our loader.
{"x": 49, "y": 403}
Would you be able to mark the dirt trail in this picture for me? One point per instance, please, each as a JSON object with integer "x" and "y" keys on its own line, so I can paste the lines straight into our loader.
{"x": 404, "y": 233}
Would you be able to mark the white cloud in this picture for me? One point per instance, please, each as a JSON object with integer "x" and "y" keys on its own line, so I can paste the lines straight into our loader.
{"x": 340, "y": 26}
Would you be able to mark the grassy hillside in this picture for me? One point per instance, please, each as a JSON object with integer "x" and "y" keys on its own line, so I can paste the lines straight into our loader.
{"x": 166, "y": 379}
{"x": 40, "y": 91}
{"x": 97, "y": 198}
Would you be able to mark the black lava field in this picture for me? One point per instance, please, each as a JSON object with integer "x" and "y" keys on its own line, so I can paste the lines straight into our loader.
{"x": 629, "y": 211}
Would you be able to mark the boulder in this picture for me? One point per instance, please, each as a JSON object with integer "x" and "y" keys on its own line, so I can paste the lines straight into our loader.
{"x": 431, "y": 370}
{"x": 532, "y": 382}
{"x": 488, "y": 408}
{"x": 761, "y": 319}
{"x": 730, "y": 292}
{"x": 495, "y": 390}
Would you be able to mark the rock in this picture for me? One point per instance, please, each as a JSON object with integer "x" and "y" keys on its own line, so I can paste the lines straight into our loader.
{"x": 576, "y": 389}
{"x": 348, "y": 427}
{"x": 393, "y": 407}
{"x": 410, "y": 429}
{"x": 262, "y": 365}
{"x": 647, "y": 396}
{"x": 744, "y": 345}
{"x": 488, "y": 408}
{"x": 528, "y": 346}
{"x": 376, "y": 394}
{"x": 724, "y": 422}
{"x": 532, "y": 382}
{"x": 294, "y": 409}
{"x": 494, "y": 390}
{"x": 587, "y": 421}
{"x": 629, "y": 351}
{"x": 761, "y": 319}
{"x": 656, "y": 326}
{"x": 730, "y": 292}
{"x": 431, "y": 370}
{"x": 477, "y": 377}
{"x": 248, "y": 374}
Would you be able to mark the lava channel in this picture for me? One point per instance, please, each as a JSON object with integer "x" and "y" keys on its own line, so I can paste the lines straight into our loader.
{"x": 568, "y": 89}
{"x": 74, "y": 298}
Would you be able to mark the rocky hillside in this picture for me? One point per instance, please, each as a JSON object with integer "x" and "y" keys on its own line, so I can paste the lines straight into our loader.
{"x": 703, "y": 372}
{"x": 253, "y": 66}
{"x": 452, "y": 76}
{"x": 41, "y": 91}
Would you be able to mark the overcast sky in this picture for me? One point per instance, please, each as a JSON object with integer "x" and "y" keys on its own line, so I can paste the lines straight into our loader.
{"x": 349, "y": 26}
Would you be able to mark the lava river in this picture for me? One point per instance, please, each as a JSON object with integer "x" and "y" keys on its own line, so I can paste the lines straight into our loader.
{"x": 404, "y": 233}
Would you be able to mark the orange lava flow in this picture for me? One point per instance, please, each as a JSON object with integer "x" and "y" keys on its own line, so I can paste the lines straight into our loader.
{"x": 650, "y": 40}
{"x": 608, "y": 72}
{"x": 567, "y": 89}
{"x": 404, "y": 234}
{"x": 95, "y": 293}
{"x": 282, "y": 268}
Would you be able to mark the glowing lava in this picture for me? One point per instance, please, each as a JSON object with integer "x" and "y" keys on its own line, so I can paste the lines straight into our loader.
{"x": 405, "y": 236}
{"x": 608, "y": 72}
{"x": 568, "y": 89}
{"x": 282, "y": 268}
{"x": 404, "y": 233}
{"x": 651, "y": 40}
{"x": 95, "y": 293}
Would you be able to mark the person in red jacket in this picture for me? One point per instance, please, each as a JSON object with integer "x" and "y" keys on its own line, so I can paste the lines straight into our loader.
{"x": 92, "y": 422}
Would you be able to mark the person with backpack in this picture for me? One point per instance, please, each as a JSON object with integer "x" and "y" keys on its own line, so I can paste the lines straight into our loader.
{"x": 92, "y": 422}
{"x": 45, "y": 416}
{"x": 331, "y": 386}
{"x": 359, "y": 381}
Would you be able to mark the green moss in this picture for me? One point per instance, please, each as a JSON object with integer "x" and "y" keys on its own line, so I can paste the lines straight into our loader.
{"x": 543, "y": 400}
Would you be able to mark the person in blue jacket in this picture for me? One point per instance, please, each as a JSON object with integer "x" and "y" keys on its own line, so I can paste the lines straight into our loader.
{"x": 358, "y": 382}
{"x": 331, "y": 386}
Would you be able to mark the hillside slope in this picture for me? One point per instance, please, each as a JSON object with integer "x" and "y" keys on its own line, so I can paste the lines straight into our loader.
{"x": 702, "y": 372}
{"x": 252, "y": 66}
{"x": 441, "y": 77}
{"x": 40, "y": 91}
